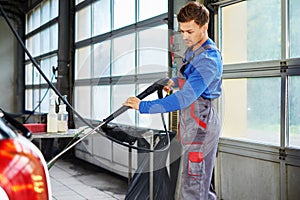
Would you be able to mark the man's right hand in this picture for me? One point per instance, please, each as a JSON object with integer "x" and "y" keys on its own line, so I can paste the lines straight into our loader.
{"x": 168, "y": 88}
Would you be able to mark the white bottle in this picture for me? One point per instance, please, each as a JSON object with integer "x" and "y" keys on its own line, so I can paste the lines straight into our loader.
{"x": 52, "y": 116}
{"x": 63, "y": 115}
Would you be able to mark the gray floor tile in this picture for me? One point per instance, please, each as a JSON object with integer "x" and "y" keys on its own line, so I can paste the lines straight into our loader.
{"x": 75, "y": 179}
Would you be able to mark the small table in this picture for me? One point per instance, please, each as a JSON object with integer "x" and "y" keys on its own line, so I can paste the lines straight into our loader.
{"x": 43, "y": 135}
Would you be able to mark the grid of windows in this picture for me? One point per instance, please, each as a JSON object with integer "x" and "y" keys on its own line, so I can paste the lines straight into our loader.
{"x": 118, "y": 57}
{"x": 255, "y": 55}
{"x": 42, "y": 43}
{"x": 41, "y": 14}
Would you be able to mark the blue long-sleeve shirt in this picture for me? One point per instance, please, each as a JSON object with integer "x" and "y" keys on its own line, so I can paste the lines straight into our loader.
{"x": 203, "y": 78}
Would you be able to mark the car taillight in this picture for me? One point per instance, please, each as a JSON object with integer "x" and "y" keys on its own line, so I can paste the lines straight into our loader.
{"x": 22, "y": 174}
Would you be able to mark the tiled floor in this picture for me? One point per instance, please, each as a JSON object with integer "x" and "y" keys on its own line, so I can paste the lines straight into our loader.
{"x": 74, "y": 179}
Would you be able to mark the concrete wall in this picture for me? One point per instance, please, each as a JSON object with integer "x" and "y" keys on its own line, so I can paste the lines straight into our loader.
{"x": 8, "y": 47}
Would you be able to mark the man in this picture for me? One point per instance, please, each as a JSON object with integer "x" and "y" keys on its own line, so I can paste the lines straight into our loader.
{"x": 199, "y": 81}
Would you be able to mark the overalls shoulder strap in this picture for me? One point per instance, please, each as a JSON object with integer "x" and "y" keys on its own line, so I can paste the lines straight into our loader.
{"x": 199, "y": 51}
{"x": 196, "y": 53}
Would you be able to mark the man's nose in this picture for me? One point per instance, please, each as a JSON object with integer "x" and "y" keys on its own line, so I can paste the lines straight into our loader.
{"x": 184, "y": 35}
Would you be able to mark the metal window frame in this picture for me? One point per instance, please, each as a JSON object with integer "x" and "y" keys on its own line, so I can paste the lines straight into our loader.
{"x": 284, "y": 68}
{"x": 132, "y": 28}
{"x": 38, "y": 58}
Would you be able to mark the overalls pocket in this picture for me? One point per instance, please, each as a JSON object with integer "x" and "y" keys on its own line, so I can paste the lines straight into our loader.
{"x": 195, "y": 163}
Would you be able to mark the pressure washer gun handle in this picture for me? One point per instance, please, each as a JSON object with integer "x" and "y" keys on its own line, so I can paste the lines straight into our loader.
{"x": 158, "y": 85}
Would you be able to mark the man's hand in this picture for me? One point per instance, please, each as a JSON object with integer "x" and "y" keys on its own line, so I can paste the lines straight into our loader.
{"x": 168, "y": 88}
{"x": 132, "y": 102}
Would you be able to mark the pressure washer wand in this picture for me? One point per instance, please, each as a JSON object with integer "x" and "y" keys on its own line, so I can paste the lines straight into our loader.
{"x": 53, "y": 160}
{"x": 158, "y": 85}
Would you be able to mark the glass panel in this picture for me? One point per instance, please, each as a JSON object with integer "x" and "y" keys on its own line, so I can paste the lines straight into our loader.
{"x": 83, "y": 24}
{"x": 153, "y": 50}
{"x": 246, "y": 36}
{"x": 151, "y": 120}
{"x": 53, "y": 63}
{"x": 101, "y": 11}
{"x": 83, "y": 63}
{"x": 45, "y": 98}
{"x": 28, "y": 99}
{"x": 36, "y": 45}
{"x": 45, "y": 11}
{"x": 45, "y": 41}
{"x": 36, "y": 98}
{"x": 28, "y": 46}
{"x": 29, "y": 22}
{"x": 123, "y": 55}
{"x": 36, "y": 18}
{"x": 28, "y": 74}
{"x": 119, "y": 94}
{"x": 47, "y": 69}
{"x": 46, "y": 65}
{"x": 83, "y": 100}
{"x": 124, "y": 13}
{"x": 101, "y": 102}
{"x": 102, "y": 59}
{"x": 54, "y": 37}
{"x": 54, "y": 8}
{"x": 294, "y": 111}
{"x": 152, "y": 8}
{"x": 294, "y": 28}
{"x": 36, "y": 76}
{"x": 255, "y": 104}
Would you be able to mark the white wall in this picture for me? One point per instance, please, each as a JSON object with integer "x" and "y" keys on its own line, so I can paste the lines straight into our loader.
{"x": 8, "y": 46}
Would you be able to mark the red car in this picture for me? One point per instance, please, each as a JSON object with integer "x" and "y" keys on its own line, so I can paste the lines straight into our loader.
{"x": 23, "y": 169}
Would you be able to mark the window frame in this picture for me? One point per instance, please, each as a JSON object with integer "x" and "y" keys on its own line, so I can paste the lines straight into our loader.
{"x": 40, "y": 87}
{"x": 112, "y": 80}
{"x": 282, "y": 68}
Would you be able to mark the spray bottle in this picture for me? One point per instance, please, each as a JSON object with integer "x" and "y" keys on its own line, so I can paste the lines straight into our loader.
{"x": 62, "y": 122}
{"x": 52, "y": 116}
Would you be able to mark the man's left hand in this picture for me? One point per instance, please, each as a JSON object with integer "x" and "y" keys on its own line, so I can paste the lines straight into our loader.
{"x": 132, "y": 102}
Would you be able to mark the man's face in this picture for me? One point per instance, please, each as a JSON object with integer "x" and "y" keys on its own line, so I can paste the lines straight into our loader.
{"x": 192, "y": 33}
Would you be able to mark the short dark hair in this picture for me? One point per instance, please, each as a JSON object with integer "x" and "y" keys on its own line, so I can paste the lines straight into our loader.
{"x": 194, "y": 11}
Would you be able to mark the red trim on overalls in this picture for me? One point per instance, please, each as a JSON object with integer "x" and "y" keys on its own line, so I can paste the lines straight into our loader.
{"x": 199, "y": 121}
{"x": 181, "y": 82}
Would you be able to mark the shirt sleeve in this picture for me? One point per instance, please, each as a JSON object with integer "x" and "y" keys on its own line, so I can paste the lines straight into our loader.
{"x": 197, "y": 80}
